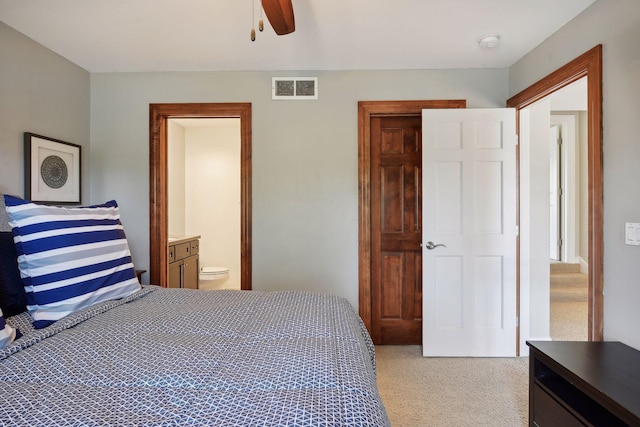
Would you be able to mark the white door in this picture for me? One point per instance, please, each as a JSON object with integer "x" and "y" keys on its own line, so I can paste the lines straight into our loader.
{"x": 554, "y": 194}
{"x": 469, "y": 207}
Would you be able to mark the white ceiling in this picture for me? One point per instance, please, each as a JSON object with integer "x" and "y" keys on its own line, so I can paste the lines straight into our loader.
{"x": 213, "y": 35}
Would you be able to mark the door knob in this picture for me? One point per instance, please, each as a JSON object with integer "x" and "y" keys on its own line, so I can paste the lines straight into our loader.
{"x": 431, "y": 245}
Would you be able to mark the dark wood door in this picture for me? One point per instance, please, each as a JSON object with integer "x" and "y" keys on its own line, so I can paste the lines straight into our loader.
{"x": 396, "y": 230}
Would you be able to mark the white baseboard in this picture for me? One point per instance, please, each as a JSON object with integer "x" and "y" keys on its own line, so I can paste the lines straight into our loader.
{"x": 584, "y": 265}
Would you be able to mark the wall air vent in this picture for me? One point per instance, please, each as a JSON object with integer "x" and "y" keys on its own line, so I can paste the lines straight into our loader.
{"x": 294, "y": 88}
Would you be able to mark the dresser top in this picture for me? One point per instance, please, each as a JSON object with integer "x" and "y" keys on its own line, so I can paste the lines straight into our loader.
{"x": 612, "y": 369}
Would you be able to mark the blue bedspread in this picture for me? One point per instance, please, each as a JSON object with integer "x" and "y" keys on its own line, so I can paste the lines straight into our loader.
{"x": 175, "y": 357}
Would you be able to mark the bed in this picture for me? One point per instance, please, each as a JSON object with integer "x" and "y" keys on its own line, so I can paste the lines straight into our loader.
{"x": 174, "y": 357}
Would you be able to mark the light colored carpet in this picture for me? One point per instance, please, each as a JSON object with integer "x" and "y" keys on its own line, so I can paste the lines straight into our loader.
{"x": 569, "y": 320}
{"x": 569, "y": 295}
{"x": 459, "y": 392}
{"x": 421, "y": 392}
{"x": 567, "y": 283}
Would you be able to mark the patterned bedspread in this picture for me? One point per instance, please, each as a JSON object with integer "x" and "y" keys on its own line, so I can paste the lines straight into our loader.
{"x": 174, "y": 357}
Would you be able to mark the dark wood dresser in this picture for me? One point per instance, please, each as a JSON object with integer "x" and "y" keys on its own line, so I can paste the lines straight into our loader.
{"x": 583, "y": 384}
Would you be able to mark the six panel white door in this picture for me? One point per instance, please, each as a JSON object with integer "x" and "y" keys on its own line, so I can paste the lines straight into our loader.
{"x": 469, "y": 206}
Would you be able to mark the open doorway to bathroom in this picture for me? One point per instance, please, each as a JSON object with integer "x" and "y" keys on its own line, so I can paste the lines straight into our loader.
{"x": 203, "y": 161}
{"x": 159, "y": 119}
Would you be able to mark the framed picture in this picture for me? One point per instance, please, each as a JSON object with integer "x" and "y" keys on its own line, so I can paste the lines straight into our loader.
{"x": 52, "y": 170}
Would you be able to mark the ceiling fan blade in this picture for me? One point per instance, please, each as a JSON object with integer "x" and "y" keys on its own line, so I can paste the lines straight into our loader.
{"x": 280, "y": 14}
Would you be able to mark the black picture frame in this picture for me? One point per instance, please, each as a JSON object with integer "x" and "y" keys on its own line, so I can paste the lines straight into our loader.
{"x": 53, "y": 170}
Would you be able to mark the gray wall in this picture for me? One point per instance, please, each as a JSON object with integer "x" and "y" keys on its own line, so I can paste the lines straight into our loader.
{"x": 305, "y": 158}
{"x": 43, "y": 93}
{"x": 616, "y": 25}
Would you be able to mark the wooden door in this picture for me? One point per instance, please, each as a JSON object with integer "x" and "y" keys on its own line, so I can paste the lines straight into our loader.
{"x": 396, "y": 223}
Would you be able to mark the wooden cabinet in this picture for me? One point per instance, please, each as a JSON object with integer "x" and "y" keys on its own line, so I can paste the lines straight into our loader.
{"x": 174, "y": 278}
{"x": 190, "y": 272}
{"x": 184, "y": 262}
{"x": 583, "y": 384}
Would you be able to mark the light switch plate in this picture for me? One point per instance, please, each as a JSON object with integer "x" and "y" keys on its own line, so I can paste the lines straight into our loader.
{"x": 632, "y": 233}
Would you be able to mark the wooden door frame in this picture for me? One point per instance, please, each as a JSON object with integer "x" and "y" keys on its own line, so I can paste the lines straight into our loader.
{"x": 588, "y": 64}
{"x": 159, "y": 114}
{"x": 367, "y": 110}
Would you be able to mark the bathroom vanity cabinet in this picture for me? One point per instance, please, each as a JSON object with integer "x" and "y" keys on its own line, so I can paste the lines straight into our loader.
{"x": 184, "y": 262}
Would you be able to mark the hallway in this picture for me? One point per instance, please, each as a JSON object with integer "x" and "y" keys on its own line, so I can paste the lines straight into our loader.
{"x": 569, "y": 296}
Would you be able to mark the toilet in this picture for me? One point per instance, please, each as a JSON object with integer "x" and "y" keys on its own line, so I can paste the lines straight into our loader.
{"x": 213, "y": 278}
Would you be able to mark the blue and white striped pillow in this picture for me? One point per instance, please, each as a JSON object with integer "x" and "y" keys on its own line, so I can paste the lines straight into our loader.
{"x": 70, "y": 258}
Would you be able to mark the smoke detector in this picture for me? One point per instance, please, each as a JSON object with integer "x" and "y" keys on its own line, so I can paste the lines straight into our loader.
{"x": 490, "y": 41}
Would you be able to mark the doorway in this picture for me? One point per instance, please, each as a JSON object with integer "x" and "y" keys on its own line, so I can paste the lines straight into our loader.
{"x": 204, "y": 192}
{"x": 587, "y": 65}
{"x": 159, "y": 114}
{"x": 550, "y": 138}
{"x": 400, "y": 311}
{"x": 569, "y": 134}
{"x": 568, "y": 286}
